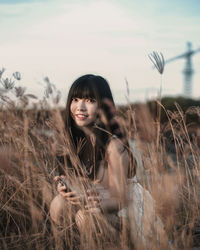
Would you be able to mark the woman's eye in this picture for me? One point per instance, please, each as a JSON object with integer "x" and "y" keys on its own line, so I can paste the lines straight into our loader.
{"x": 74, "y": 99}
{"x": 91, "y": 100}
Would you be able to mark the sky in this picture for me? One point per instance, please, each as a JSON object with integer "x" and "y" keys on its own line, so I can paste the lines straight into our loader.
{"x": 64, "y": 39}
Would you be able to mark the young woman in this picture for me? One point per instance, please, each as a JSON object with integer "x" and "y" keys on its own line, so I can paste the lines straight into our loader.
{"x": 98, "y": 152}
{"x": 101, "y": 166}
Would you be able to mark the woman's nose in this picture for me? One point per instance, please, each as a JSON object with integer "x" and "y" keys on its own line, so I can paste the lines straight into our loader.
{"x": 81, "y": 106}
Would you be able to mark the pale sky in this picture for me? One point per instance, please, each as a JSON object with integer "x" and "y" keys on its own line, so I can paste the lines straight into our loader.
{"x": 63, "y": 39}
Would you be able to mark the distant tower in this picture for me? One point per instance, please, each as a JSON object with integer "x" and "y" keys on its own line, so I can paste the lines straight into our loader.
{"x": 188, "y": 71}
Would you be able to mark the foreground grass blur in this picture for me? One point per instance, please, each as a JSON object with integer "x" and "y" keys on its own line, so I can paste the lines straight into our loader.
{"x": 30, "y": 138}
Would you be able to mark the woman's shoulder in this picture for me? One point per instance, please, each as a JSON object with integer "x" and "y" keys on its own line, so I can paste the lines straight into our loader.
{"x": 115, "y": 145}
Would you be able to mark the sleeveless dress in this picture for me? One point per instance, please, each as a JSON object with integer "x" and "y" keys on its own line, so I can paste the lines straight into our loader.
{"x": 146, "y": 227}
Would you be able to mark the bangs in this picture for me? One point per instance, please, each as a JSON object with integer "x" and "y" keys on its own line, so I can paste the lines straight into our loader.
{"x": 84, "y": 90}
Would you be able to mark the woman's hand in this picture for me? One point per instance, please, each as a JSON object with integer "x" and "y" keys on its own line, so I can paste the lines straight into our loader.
{"x": 96, "y": 197}
{"x": 70, "y": 196}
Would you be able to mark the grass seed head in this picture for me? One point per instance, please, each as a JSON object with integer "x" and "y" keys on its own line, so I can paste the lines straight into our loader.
{"x": 158, "y": 61}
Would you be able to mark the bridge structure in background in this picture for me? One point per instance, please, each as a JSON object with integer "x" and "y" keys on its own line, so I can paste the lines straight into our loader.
{"x": 188, "y": 70}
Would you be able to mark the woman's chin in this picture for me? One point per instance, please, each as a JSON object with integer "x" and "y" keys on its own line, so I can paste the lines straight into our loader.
{"x": 83, "y": 123}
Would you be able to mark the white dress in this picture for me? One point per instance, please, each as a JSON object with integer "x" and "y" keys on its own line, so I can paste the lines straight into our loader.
{"x": 147, "y": 229}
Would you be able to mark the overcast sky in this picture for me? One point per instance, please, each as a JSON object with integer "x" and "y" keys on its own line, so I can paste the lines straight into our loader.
{"x": 63, "y": 39}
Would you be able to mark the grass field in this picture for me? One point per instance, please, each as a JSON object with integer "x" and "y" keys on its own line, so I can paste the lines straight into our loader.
{"x": 168, "y": 166}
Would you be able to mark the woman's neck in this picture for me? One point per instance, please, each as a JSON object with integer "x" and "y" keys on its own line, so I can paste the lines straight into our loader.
{"x": 89, "y": 134}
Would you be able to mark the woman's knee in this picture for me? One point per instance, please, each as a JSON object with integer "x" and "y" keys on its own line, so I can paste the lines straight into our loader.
{"x": 81, "y": 219}
{"x": 57, "y": 209}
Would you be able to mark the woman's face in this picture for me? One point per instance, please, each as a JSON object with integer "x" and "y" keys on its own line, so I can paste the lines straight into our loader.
{"x": 83, "y": 111}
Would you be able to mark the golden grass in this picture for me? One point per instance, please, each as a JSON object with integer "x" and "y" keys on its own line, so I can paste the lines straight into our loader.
{"x": 170, "y": 171}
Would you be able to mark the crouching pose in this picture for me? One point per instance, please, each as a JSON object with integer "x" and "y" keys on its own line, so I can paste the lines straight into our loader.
{"x": 97, "y": 186}
{"x": 93, "y": 186}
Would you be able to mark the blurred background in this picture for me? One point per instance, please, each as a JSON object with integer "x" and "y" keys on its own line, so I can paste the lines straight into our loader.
{"x": 64, "y": 39}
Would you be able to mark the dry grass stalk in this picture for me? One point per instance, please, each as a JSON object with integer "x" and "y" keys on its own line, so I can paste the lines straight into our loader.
{"x": 26, "y": 182}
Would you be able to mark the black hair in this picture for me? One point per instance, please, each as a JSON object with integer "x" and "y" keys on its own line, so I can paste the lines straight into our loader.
{"x": 89, "y": 86}
{"x": 95, "y": 87}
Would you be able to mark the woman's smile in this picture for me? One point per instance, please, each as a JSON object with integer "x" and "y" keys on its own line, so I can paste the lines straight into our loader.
{"x": 81, "y": 116}
{"x": 83, "y": 111}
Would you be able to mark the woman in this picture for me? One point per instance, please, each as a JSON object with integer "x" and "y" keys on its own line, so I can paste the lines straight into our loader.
{"x": 99, "y": 168}
{"x": 98, "y": 153}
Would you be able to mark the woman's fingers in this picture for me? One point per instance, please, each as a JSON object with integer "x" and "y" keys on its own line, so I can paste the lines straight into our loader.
{"x": 93, "y": 207}
{"x": 93, "y": 202}
{"x": 94, "y": 198}
{"x": 61, "y": 188}
{"x": 93, "y": 195}
{"x": 56, "y": 178}
{"x": 92, "y": 192}
{"x": 70, "y": 194}
{"x": 71, "y": 197}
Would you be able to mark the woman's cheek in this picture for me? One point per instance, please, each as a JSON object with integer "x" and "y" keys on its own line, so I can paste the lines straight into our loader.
{"x": 72, "y": 110}
{"x": 94, "y": 109}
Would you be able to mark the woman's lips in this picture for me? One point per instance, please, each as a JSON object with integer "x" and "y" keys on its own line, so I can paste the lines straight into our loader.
{"x": 81, "y": 116}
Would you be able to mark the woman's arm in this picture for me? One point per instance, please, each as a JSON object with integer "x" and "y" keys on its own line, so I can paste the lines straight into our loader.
{"x": 118, "y": 163}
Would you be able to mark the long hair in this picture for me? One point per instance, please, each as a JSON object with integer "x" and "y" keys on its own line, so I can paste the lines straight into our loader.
{"x": 105, "y": 126}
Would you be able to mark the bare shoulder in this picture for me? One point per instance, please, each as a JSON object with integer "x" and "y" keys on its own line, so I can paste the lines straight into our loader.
{"x": 116, "y": 146}
{"x": 118, "y": 158}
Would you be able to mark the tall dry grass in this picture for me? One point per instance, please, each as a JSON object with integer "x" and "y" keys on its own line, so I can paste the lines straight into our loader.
{"x": 32, "y": 138}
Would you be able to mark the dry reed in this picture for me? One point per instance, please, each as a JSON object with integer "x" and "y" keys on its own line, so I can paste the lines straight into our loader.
{"x": 28, "y": 148}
